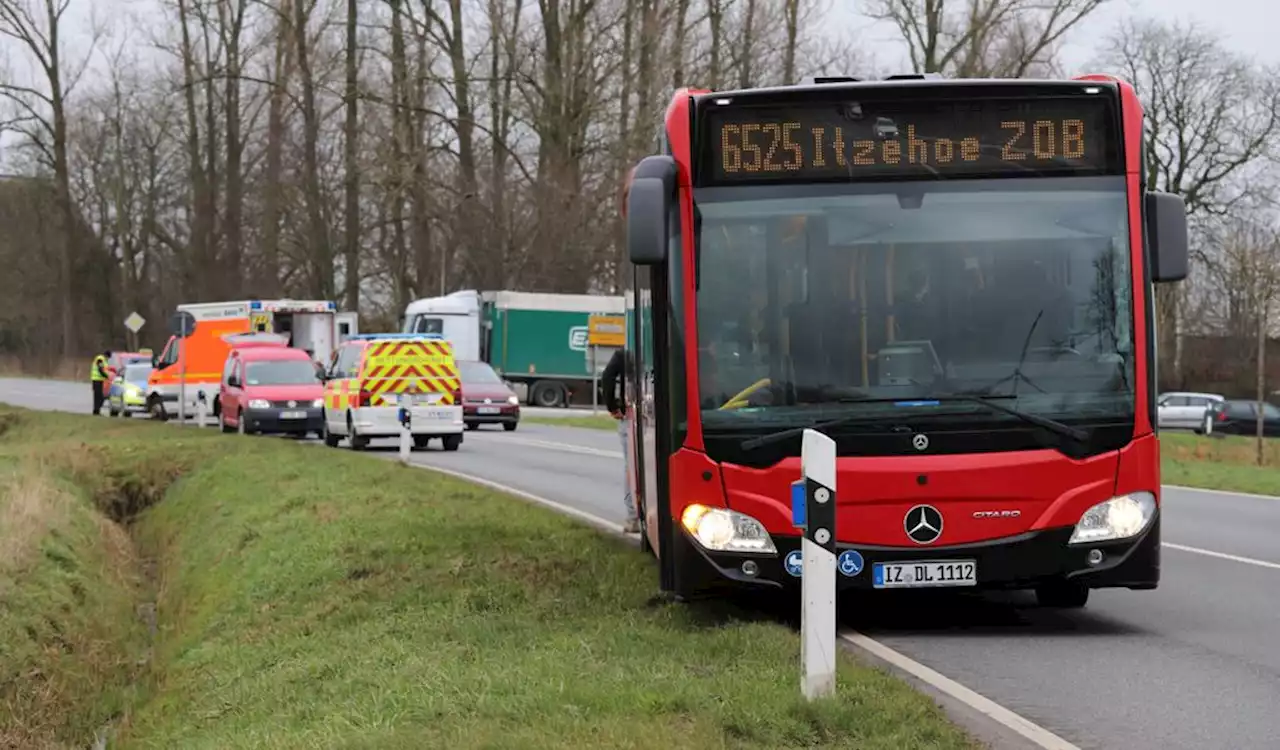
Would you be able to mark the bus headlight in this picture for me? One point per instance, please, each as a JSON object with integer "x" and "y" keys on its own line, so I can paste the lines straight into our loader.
{"x": 724, "y": 530}
{"x": 1118, "y": 518}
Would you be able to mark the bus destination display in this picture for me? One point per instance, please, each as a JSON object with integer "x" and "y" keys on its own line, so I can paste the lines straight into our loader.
{"x": 904, "y": 139}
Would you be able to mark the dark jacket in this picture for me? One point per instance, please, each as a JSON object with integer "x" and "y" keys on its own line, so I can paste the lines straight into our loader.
{"x": 614, "y": 380}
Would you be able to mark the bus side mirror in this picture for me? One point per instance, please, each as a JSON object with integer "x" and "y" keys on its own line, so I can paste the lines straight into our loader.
{"x": 648, "y": 205}
{"x": 1167, "y": 236}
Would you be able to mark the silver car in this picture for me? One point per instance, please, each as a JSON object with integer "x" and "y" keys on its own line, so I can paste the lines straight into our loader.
{"x": 1184, "y": 410}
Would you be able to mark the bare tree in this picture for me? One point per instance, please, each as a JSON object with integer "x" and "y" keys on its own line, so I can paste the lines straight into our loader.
{"x": 1210, "y": 116}
{"x": 980, "y": 38}
{"x": 37, "y": 27}
{"x": 350, "y": 161}
{"x": 1248, "y": 264}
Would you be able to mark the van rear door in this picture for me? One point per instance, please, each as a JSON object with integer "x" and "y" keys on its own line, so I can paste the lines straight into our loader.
{"x": 422, "y": 367}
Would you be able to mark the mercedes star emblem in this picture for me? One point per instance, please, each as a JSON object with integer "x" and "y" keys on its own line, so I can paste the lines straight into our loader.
{"x": 920, "y": 441}
{"x": 923, "y": 524}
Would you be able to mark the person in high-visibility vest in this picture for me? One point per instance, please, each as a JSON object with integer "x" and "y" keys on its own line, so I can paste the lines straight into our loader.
{"x": 98, "y": 377}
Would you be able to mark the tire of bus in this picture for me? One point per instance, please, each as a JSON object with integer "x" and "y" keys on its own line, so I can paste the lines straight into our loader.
{"x": 548, "y": 394}
{"x": 1063, "y": 595}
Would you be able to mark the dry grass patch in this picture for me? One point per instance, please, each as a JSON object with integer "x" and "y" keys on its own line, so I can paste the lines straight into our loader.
{"x": 31, "y": 506}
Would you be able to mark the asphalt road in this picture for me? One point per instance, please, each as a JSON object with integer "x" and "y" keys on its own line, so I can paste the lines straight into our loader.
{"x": 1194, "y": 664}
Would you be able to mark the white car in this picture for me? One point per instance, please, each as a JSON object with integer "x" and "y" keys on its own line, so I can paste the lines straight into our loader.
{"x": 1183, "y": 410}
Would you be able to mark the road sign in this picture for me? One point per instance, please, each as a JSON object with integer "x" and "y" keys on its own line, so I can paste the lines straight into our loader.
{"x": 182, "y": 324}
{"x": 607, "y": 330}
{"x": 134, "y": 322}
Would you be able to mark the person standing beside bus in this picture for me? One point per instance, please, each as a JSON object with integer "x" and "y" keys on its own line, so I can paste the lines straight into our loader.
{"x": 614, "y": 383}
{"x": 98, "y": 378}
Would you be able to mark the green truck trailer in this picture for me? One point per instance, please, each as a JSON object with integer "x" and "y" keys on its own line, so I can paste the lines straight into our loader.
{"x": 539, "y": 343}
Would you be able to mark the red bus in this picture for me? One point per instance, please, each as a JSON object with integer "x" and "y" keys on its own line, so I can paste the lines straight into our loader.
{"x": 951, "y": 279}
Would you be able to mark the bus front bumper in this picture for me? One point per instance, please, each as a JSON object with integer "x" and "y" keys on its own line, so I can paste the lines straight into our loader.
{"x": 1024, "y": 561}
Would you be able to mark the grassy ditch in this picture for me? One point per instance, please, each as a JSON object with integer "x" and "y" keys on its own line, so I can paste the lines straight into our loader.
{"x": 71, "y": 643}
{"x": 1225, "y": 463}
{"x": 336, "y": 600}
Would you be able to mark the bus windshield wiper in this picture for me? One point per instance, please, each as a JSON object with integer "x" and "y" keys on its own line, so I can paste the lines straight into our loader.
{"x": 845, "y": 396}
{"x": 1052, "y": 425}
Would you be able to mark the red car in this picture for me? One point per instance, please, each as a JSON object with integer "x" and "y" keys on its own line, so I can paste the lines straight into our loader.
{"x": 486, "y": 399}
{"x": 270, "y": 389}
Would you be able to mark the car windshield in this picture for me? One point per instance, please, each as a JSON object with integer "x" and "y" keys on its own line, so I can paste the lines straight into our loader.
{"x": 282, "y": 372}
{"x": 478, "y": 373}
{"x": 137, "y": 374}
{"x": 870, "y": 298}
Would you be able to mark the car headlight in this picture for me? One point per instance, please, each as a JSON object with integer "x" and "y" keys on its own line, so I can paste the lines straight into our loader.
{"x": 258, "y": 403}
{"x": 1118, "y": 518}
{"x": 724, "y": 530}
{"x": 133, "y": 391}
{"x": 316, "y": 404}
{"x": 513, "y": 400}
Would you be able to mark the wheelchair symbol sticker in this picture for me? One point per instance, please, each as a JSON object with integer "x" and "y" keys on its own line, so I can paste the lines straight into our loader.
{"x": 850, "y": 563}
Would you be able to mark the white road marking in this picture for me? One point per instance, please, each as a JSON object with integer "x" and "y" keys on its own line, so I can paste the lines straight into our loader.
{"x": 1028, "y": 729}
{"x": 1033, "y": 732}
{"x": 566, "y": 447}
{"x": 1222, "y": 555}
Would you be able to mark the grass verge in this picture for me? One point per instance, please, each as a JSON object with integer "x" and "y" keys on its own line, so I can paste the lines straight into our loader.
{"x": 594, "y": 422}
{"x": 355, "y": 603}
{"x": 1225, "y": 463}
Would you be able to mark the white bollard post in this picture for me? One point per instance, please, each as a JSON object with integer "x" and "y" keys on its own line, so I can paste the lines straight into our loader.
{"x": 406, "y": 432}
{"x": 818, "y": 566}
{"x": 201, "y": 408}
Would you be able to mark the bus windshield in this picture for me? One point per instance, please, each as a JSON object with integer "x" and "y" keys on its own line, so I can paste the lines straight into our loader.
{"x": 817, "y": 301}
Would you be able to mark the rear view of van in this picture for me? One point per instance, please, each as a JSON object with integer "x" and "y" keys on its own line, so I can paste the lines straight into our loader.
{"x": 371, "y": 376}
